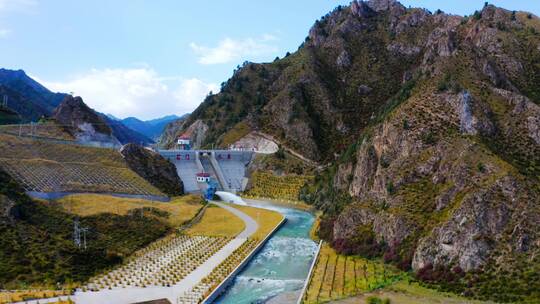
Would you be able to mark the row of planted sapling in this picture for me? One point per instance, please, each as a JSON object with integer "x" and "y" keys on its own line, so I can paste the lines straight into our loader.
{"x": 210, "y": 282}
{"x": 163, "y": 263}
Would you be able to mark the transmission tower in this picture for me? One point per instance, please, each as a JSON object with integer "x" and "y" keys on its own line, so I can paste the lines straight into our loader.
{"x": 77, "y": 233}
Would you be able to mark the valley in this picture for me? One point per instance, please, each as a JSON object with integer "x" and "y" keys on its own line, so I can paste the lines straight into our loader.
{"x": 393, "y": 157}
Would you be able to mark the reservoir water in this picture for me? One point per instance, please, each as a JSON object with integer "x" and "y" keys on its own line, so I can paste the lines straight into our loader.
{"x": 281, "y": 266}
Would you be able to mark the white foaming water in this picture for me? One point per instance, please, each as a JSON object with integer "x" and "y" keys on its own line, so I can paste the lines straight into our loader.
{"x": 282, "y": 264}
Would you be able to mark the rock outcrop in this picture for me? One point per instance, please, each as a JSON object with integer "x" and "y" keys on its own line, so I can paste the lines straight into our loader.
{"x": 153, "y": 167}
{"x": 428, "y": 126}
{"x": 196, "y": 130}
{"x": 83, "y": 122}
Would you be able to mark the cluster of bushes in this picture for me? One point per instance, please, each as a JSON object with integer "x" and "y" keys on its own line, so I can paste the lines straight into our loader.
{"x": 363, "y": 243}
{"x": 377, "y": 300}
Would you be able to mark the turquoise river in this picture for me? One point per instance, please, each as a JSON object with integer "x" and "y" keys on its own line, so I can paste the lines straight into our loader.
{"x": 277, "y": 272}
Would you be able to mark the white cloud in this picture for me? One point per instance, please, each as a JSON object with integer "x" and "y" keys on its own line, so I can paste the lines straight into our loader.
{"x": 229, "y": 49}
{"x": 138, "y": 92}
{"x": 4, "y": 33}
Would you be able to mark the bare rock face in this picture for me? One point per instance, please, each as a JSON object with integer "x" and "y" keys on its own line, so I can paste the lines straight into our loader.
{"x": 197, "y": 132}
{"x": 348, "y": 222}
{"x": 412, "y": 20}
{"x": 469, "y": 237}
{"x": 343, "y": 60}
{"x": 441, "y": 43}
{"x": 361, "y": 9}
{"x": 153, "y": 167}
{"x": 170, "y": 134}
{"x": 255, "y": 142}
{"x": 6, "y": 206}
{"x": 386, "y": 5}
{"x": 82, "y": 121}
{"x": 402, "y": 49}
{"x": 364, "y": 173}
{"x": 528, "y": 111}
{"x": 364, "y": 90}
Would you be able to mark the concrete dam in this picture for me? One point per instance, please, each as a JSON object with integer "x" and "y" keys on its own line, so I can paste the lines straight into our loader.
{"x": 227, "y": 167}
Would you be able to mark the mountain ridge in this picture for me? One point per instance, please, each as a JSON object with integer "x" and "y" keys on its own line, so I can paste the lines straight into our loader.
{"x": 429, "y": 124}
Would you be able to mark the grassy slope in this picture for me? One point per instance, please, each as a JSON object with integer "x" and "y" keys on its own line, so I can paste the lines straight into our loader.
{"x": 180, "y": 209}
{"x": 217, "y": 221}
{"x": 266, "y": 219}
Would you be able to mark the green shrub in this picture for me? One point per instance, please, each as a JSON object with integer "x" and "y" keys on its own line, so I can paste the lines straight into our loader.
{"x": 377, "y": 300}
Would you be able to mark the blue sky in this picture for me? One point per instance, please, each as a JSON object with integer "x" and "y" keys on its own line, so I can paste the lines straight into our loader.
{"x": 153, "y": 58}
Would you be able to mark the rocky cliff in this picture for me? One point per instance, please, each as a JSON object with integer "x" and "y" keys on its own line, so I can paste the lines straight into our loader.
{"x": 154, "y": 168}
{"x": 428, "y": 126}
{"x": 196, "y": 130}
{"x": 82, "y": 121}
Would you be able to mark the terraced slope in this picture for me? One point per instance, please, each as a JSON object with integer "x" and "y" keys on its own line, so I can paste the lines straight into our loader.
{"x": 264, "y": 184}
{"x": 43, "y": 166}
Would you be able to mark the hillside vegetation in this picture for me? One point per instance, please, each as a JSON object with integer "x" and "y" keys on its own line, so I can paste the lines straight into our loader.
{"x": 427, "y": 128}
{"x": 37, "y": 248}
{"x": 267, "y": 185}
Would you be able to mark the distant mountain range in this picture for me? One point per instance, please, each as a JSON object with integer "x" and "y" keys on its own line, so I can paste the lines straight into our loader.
{"x": 150, "y": 128}
{"x": 26, "y": 96}
{"x": 31, "y": 101}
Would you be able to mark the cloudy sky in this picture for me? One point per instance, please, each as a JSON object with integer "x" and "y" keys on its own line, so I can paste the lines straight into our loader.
{"x": 148, "y": 58}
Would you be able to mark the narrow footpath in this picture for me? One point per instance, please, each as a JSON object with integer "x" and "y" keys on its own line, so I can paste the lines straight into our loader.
{"x": 139, "y": 294}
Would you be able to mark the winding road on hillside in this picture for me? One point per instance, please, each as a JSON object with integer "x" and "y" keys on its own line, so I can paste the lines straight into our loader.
{"x": 139, "y": 294}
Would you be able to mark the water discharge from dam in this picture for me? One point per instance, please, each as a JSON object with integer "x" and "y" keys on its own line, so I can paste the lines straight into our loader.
{"x": 280, "y": 268}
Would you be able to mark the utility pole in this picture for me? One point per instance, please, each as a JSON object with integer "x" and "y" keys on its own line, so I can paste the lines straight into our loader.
{"x": 5, "y": 101}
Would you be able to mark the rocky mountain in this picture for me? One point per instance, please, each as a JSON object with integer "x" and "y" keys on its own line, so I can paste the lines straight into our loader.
{"x": 28, "y": 100}
{"x": 89, "y": 125}
{"x": 196, "y": 130}
{"x": 154, "y": 168}
{"x": 26, "y": 96}
{"x": 82, "y": 121}
{"x": 427, "y": 127}
{"x": 149, "y": 128}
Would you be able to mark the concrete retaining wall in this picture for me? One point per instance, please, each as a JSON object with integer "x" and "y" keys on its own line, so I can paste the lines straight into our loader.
{"x": 222, "y": 287}
{"x": 310, "y": 273}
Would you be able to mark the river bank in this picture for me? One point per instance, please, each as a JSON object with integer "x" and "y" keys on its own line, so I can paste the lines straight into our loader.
{"x": 278, "y": 271}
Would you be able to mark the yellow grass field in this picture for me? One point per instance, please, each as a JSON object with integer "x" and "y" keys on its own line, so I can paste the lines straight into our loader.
{"x": 19, "y": 296}
{"x": 217, "y": 221}
{"x": 266, "y": 219}
{"x": 337, "y": 276}
{"x": 181, "y": 209}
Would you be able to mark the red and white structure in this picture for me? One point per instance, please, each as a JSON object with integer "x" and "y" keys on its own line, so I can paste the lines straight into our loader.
{"x": 184, "y": 142}
{"x": 203, "y": 177}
